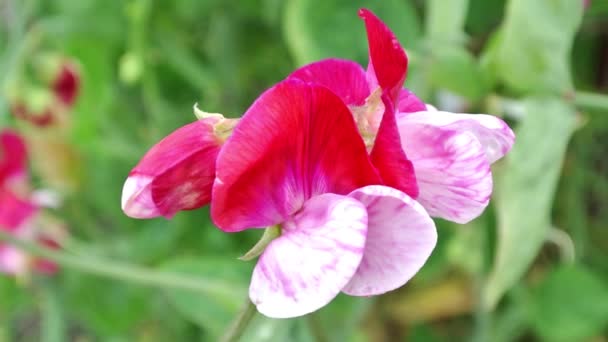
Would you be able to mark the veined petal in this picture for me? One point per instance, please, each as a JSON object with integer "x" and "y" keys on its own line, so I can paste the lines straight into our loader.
{"x": 345, "y": 78}
{"x": 315, "y": 257}
{"x": 400, "y": 238}
{"x": 387, "y": 59}
{"x": 14, "y": 210}
{"x": 296, "y": 141}
{"x": 453, "y": 173}
{"x": 176, "y": 174}
{"x": 409, "y": 103}
{"x": 13, "y": 156}
{"x": 388, "y": 156}
{"x": 495, "y": 136}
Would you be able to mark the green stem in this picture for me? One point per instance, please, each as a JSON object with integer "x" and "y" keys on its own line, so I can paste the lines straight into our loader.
{"x": 125, "y": 272}
{"x": 240, "y": 323}
{"x": 591, "y": 100}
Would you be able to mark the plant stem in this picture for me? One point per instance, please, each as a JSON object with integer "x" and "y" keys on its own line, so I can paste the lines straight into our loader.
{"x": 116, "y": 270}
{"x": 240, "y": 323}
{"x": 591, "y": 100}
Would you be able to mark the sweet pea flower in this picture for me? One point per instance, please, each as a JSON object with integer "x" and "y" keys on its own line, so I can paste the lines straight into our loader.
{"x": 296, "y": 163}
{"x": 177, "y": 173}
{"x": 17, "y": 212}
{"x": 450, "y": 153}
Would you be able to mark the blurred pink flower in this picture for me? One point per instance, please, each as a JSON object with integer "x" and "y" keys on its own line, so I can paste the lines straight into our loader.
{"x": 17, "y": 212}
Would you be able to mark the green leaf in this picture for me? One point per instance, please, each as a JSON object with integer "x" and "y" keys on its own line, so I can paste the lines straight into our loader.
{"x": 571, "y": 304}
{"x": 532, "y": 55}
{"x": 316, "y": 29}
{"x": 214, "y": 311}
{"x": 455, "y": 69}
{"x": 53, "y": 324}
{"x": 445, "y": 20}
{"x": 525, "y": 188}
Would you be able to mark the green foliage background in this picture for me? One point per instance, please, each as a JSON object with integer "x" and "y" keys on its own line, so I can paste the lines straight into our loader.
{"x": 533, "y": 267}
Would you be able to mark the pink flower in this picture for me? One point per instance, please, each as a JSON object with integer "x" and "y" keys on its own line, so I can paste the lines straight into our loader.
{"x": 447, "y": 167}
{"x": 296, "y": 162}
{"x": 178, "y": 172}
{"x": 17, "y": 214}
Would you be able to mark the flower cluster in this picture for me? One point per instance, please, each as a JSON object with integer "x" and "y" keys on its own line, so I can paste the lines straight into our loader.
{"x": 19, "y": 209}
{"x": 344, "y": 168}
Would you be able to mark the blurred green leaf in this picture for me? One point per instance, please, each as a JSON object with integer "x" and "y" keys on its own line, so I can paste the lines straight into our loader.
{"x": 212, "y": 312}
{"x": 525, "y": 187}
{"x": 532, "y": 54}
{"x": 571, "y": 304}
{"x": 316, "y": 29}
{"x": 445, "y": 20}
{"x": 53, "y": 323}
{"x": 455, "y": 69}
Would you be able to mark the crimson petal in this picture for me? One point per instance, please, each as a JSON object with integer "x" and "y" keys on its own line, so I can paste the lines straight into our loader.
{"x": 13, "y": 156}
{"x": 345, "y": 78}
{"x": 387, "y": 59}
{"x": 388, "y": 156}
{"x": 296, "y": 141}
{"x": 176, "y": 174}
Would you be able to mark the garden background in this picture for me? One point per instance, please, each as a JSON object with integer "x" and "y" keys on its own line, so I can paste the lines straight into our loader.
{"x": 533, "y": 267}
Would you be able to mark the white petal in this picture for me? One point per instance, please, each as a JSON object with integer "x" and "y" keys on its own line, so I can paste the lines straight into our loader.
{"x": 137, "y": 199}
{"x": 316, "y": 255}
{"x": 400, "y": 238}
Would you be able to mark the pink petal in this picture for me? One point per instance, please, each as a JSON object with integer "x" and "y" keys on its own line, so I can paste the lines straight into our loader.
{"x": 296, "y": 141}
{"x": 316, "y": 255}
{"x": 452, "y": 170}
{"x": 12, "y": 260}
{"x": 345, "y": 78}
{"x": 14, "y": 211}
{"x": 176, "y": 174}
{"x": 495, "y": 136}
{"x": 409, "y": 103}
{"x": 400, "y": 238}
{"x": 387, "y": 59}
{"x": 13, "y": 156}
{"x": 388, "y": 156}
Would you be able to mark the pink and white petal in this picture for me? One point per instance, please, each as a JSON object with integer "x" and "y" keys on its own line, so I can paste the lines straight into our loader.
{"x": 12, "y": 260}
{"x": 409, "y": 103}
{"x": 387, "y": 59}
{"x": 345, "y": 78}
{"x": 400, "y": 237}
{"x": 296, "y": 141}
{"x": 453, "y": 173}
{"x": 176, "y": 174}
{"x": 387, "y": 154}
{"x": 13, "y": 156}
{"x": 494, "y": 134}
{"x": 316, "y": 255}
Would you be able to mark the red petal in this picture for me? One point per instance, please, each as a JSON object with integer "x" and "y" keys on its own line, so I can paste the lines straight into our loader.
{"x": 13, "y": 210}
{"x": 386, "y": 56}
{"x": 388, "y": 156}
{"x": 67, "y": 84}
{"x": 13, "y": 155}
{"x": 296, "y": 141}
{"x": 345, "y": 78}
{"x": 176, "y": 174}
